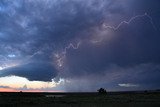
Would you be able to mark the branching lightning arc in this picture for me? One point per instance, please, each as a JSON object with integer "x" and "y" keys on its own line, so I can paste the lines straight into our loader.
{"x": 132, "y": 19}
{"x": 125, "y": 22}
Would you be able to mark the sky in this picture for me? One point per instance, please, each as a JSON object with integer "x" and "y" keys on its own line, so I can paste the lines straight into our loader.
{"x": 79, "y": 45}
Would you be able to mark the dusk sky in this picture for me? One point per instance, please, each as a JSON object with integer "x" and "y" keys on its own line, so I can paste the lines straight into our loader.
{"x": 79, "y": 45}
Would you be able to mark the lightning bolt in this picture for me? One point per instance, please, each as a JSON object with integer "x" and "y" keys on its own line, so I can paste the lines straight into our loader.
{"x": 124, "y": 22}
{"x": 132, "y": 19}
{"x": 71, "y": 46}
{"x": 60, "y": 57}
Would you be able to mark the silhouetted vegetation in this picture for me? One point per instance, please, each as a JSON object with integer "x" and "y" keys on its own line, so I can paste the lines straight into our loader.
{"x": 102, "y": 91}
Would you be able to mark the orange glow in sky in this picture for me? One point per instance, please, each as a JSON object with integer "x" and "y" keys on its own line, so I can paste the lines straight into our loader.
{"x": 7, "y": 90}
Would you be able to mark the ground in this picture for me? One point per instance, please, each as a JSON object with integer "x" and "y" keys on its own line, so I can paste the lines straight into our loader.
{"x": 112, "y": 99}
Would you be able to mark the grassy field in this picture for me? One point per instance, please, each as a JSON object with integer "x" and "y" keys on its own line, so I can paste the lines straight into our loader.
{"x": 116, "y": 99}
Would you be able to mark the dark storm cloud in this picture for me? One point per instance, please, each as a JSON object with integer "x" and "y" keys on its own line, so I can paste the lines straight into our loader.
{"x": 31, "y": 31}
{"x": 29, "y": 25}
{"x": 38, "y": 71}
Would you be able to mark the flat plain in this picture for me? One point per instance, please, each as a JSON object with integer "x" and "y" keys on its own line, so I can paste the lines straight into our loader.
{"x": 93, "y": 99}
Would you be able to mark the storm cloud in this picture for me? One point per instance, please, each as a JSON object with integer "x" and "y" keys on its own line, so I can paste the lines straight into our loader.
{"x": 94, "y": 43}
